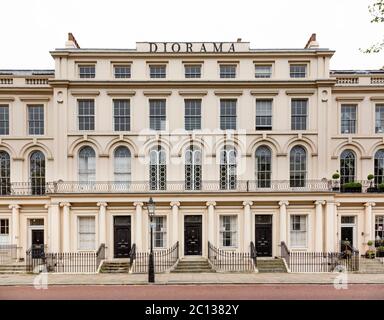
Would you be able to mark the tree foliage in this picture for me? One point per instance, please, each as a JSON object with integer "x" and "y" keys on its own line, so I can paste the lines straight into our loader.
{"x": 377, "y": 12}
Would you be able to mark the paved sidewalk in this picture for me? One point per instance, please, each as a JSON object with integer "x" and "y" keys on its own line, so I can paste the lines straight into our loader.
{"x": 191, "y": 278}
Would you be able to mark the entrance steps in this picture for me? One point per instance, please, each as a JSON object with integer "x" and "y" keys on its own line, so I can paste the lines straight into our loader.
{"x": 115, "y": 266}
{"x": 13, "y": 268}
{"x": 371, "y": 265}
{"x": 193, "y": 265}
{"x": 271, "y": 265}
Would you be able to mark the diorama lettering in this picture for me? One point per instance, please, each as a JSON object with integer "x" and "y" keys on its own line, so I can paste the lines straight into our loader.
{"x": 177, "y": 47}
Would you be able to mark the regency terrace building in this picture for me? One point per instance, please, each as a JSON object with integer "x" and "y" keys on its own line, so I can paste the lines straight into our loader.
{"x": 235, "y": 145}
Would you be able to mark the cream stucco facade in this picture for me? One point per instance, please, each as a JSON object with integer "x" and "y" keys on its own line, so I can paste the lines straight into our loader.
{"x": 64, "y": 197}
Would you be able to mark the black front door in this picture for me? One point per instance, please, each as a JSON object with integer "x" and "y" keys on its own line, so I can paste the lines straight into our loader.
{"x": 122, "y": 236}
{"x": 37, "y": 244}
{"x": 192, "y": 235}
{"x": 263, "y": 235}
{"x": 346, "y": 235}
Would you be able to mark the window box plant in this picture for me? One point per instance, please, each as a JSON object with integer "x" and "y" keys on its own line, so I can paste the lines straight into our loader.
{"x": 351, "y": 187}
{"x": 370, "y": 254}
{"x": 372, "y": 187}
{"x": 380, "y": 187}
{"x": 336, "y": 181}
{"x": 380, "y": 252}
{"x": 379, "y": 243}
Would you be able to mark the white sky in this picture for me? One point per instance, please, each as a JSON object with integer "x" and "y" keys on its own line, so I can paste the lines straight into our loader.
{"x": 30, "y": 28}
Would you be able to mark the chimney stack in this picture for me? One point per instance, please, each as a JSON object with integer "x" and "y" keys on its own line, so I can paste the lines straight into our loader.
{"x": 312, "y": 43}
{"x": 72, "y": 43}
{"x": 238, "y": 39}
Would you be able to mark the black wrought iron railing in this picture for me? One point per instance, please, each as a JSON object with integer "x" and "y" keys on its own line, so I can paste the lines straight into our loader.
{"x": 226, "y": 260}
{"x": 38, "y": 259}
{"x": 164, "y": 259}
{"x": 8, "y": 253}
{"x": 302, "y": 262}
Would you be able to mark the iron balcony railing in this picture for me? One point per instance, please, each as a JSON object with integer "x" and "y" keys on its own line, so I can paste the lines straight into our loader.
{"x": 63, "y": 187}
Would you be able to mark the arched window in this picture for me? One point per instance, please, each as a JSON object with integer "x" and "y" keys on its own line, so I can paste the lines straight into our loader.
{"x": 263, "y": 167}
{"x": 228, "y": 166}
{"x": 87, "y": 165}
{"x": 297, "y": 167}
{"x": 37, "y": 172}
{"x": 157, "y": 169}
{"x": 347, "y": 166}
{"x": 193, "y": 169}
{"x": 5, "y": 173}
{"x": 379, "y": 167}
{"x": 122, "y": 165}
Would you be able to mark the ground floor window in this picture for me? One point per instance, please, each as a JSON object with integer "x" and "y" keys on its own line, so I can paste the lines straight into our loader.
{"x": 4, "y": 231}
{"x": 379, "y": 228}
{"x": 298, "y": 231}
{"x": 87, "y": 233}
{"x": 159, "y": 232}
{"x": 228, "y": 231}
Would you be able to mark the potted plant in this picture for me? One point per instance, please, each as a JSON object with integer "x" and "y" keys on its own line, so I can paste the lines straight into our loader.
{"x": 335, "y": 181}
{"x": 380, "y": 252}
{"x": 380, "y": 187}
{"x": 371, "y": 187}
{"x": 370, "y": 254}
{"x": 351, "y": 187}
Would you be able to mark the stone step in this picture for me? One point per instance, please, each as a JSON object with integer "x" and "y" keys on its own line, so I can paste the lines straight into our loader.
{"x": 193, "y": 271}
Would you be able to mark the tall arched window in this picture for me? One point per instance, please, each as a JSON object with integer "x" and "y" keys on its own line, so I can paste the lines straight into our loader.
{"x": 379, "y": 167}
{"x": 157, "y": 169}
{"x": 263, "y": 167}
{"x": 228, "y": 166}
{"x": 5, "y": 173}
{"x": 87, "y": 165}
{"x": 297, "y": 167}
{"x": 37, "y": 172}
{"x": 193, "y": 169}
{"x": 347, "y": 166}
{"x": 122, "y": 165}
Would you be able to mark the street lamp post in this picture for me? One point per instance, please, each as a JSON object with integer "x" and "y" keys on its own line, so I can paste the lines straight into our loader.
{"x": 151, "y": 267}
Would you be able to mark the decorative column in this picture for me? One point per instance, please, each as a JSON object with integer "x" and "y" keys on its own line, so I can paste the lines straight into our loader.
{"x": 331, "y": 241}
{"x": 211, "y": 221}
{"x": 175, "y": 222}
{"x": 283, "y": 220}
{"x": 319, "y": 225}
{"x": 102, "y": 221}
{"x": 368, "y": 222}
{"x": 66, "y": 226}
{"x": 247, "y": 224}
{"x": 15, "y": 226}
{"x": 54, "y": 227}
{"x": 139, "y": 225}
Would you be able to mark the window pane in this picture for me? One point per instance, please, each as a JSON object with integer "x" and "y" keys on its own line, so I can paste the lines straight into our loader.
{"x": 263, "y": 71}
{"x": 86, "y": 114}
{"x": 347, "y": 166}
{"x": 228, "y": 114}
{"x": 87, "y": 165}
{"x": 379, "y": 167}
{"x": 379, "y": 127}
{"x": 37, "y": 172}
{"x": 228, "y": 168}
{"x": 298, "y": 231}
{"x": 87, "y": 71}
{"x": 5, "y": 173}
{"x": 122, "y": 164}
{"x": 348, "y": 118}
{"x": 263, "y": 167}
{"x": 157, "y": 115}
{"x": 263, "y": 114}
{"x": 227, "y": 71}
{"x": 298, "y": 70}
{"x": 193, "y": 169}
{"x": 228, "y": 231}
{"x": 299, "y": 114}
{"x": 36, "y": 119}
{"x": 157, "y": 169}
{"x": 122, "y": 71}
{"x": 193, "y": 71}
{"x": 192, "y": 114}
{"x": 4, "y": 119}
{"x": 157, "y": 71}
{"x": 121, "y": 113}
{"x": 87, "y": 233}
{"x": 298, "y": 167}
{"x": 159, "y": 232}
